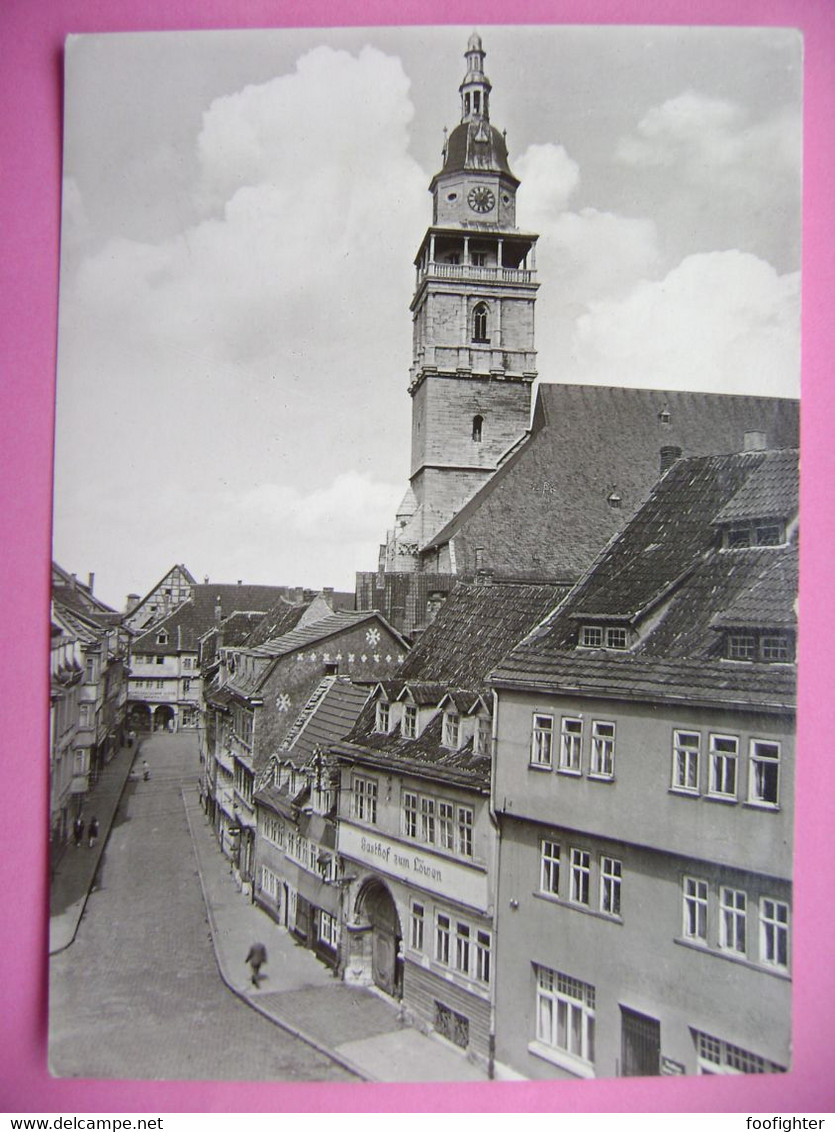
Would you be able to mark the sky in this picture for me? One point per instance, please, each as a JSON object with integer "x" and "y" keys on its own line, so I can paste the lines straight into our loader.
{"x": 240, "y": 215}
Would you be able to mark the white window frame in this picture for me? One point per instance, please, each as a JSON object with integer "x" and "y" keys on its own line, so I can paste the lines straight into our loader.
{"x": 616, "y": 637}
{"x": 602, "y": 750}
{"x": 483, "y": 956}
{"x": 328, "y": 929}
{"x": 410, "y": 815}
{"x": 410, "y": 721}
{"x": 549, "y": 867}
{"x": 571, "y": 745}
{"x": 591, "y": 637}
{"x": 715, "y": 1056}
{"x": 719, "y": 762}
{"x": 443, "y": 930}
{"x": 774, "y": 931}
{"x": 364, "y": 792}
{"x": 452, "y": 729}
{"x": 427, "y": 819}
{"x": 463, "y": 947}
{"x": 445, "y": 826}
{"x": 483, "y": 735}
{"x": 565, "y": 1012}
{"x": 580, "y": 877}
{"x": 733, "y": 920}
{"x": 466, "y": 826}
{"x": 686, "y": 759}
{"x": 758, "y": 766}
{"x": 611, "y": 883}
{"x": 417, "y": 921}
{"x": 542, "y": 740}
{"x": 382, "y": 717}
{"x": 694, "y": 909}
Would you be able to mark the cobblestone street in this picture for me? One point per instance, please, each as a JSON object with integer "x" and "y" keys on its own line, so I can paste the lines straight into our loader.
{"x": 138, "y": 994}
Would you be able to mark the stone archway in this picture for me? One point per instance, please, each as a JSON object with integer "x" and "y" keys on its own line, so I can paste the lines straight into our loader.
{"x": 376, "y": 910}
{"x": 139, "y": 717}
{"x": 163, "y": 718}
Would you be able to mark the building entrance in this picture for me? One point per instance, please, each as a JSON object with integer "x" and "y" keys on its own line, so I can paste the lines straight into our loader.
{"x": 380, "y": 911}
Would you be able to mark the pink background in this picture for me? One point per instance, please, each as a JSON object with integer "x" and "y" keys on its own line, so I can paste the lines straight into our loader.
{"x": 31, "y": 43}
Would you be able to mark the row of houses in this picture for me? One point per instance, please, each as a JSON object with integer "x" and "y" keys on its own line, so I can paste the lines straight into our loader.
{"x": 558, "y": 828}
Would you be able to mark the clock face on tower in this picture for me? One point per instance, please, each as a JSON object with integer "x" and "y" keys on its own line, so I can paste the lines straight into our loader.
{"x": 480, "y": 199}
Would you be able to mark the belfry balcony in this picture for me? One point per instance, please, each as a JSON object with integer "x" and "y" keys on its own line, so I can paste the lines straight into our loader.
{"x": 477, "y": 273}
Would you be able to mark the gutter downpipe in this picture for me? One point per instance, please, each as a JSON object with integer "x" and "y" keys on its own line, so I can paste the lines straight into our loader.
{"x": 494, "y": 895}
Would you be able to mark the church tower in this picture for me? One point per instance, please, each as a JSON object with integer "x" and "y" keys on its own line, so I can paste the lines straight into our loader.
{"x": 473, "y": 360}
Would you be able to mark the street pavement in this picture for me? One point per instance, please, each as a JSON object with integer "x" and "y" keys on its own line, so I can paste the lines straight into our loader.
{"x": 137, "y": 993}
{"x": 138, "y": 968}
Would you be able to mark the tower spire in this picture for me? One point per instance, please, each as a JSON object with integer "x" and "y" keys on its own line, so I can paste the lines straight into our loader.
{"x": 475, "y": 88}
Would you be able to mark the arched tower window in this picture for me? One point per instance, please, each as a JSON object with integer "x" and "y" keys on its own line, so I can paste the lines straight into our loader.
{"x": 478, "y": 428}
{"x": 480, "y": 323}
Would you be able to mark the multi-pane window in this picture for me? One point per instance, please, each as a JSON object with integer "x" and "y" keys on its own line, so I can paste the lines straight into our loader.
{"x": 549, "y": 876}
{"x": 764, "y": 773}
{"x": 270, "y": 883}
{"x": 482, "y": 956}
{"x": 775, "y": 648}
{"x": 723, "y": 753}
{"x": 410, "y": 814}
{"x": 571, "y": 738}
{"x": 695, "y": 909}
{"x": 591, "y": 636}
{"x": 416, "y": 927}
{"x": 365, "y": 800}
{"x": 465, "y": 831}
{"x": 742, "y": 646}
{"x": 462, "y": 948}
{"x": 774, "y": 933}
{"x": 480, "y": 323}
{"x": 442, "y": 938}
{"x": 732, "y": 916}
{"x": 452, "y": 723}
{"x": 484, "y": 735}
{"x": 410, "y": 721}
{"x": 615, "y": 638}
{"x": 565, "y": 1014}
{"x": 718, "y": 1056}
{"x": 446, "y": 825}
{"x": 542, "y": 740}
{"x": 580, "y": 875}
{"x": 603, "y": 749}
{"x": 686, "y": 746}
{"x": 328, "y": 929}
{"x": 611, "y": 872}
{"x": 382, "y": 723}
{"x": 427, "y": 820}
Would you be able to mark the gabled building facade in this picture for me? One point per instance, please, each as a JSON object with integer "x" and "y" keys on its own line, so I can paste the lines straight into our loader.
{"x": 643, "y": 787}
{"x": 416, "y": 838}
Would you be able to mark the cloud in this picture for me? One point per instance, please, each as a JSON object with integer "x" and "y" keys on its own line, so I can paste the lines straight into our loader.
{"x": 722, "y": 322}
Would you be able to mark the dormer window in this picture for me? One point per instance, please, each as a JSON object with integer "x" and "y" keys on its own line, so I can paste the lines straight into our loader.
{"x": 383, "y": 715}
{"x": 483, "y": 735}
{"x": 742, "y": 535}
{"x": 452, "y": 729}
{"x": 773, "y": 647}
{"x": 603, "y": 636}
{"x": 162, "y": 638}
{"x": 410, "y": 721}
{"x": 742, "y": 646}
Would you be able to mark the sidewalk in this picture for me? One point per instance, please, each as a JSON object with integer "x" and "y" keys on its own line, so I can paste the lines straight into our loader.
{"x": 73, "y": 875}
{"x": 358, "y": 1028}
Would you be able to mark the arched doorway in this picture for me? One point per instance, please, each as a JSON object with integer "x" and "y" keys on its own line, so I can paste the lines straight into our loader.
{"x": 164, "y": 718}
{"x": 376, "y": 906}
{"x": 139, "y": 717}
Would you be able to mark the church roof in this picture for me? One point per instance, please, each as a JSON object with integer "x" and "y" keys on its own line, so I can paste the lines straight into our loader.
{"x": 547, "y": 509}
{"x": 478, "y": 147}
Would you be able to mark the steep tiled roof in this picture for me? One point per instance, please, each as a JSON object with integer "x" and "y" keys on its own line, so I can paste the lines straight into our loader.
{"x": 313, "y": 633}
{"x": 189, "y": 621}
{"x": 546, "y": 509}
{"x": 668, "y": 574}
{"x": 74, "y": 594}
{"x": 278, "y": 620}
{"x": 332, "y": 718}
{"x": 474, "y": 628}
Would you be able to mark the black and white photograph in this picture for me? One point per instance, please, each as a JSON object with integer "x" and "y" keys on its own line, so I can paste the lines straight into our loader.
{"x": 425, "y": 554}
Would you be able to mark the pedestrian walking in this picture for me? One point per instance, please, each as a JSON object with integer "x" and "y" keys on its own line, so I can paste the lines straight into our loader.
{"x": 93, "y": 831}
{"x": 256, "y": 958}
{"x": 146, "y": 771}
{"x": 78, "y": 830}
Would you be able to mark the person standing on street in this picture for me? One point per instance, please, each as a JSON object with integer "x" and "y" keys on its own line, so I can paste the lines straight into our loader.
{"x": 256, "y": 958}
{"x": 93, "y": 831}
{"x": 78, "y": 830}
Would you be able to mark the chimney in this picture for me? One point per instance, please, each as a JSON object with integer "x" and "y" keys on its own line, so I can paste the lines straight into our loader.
{"x": 218, "y": 611}
{"x": 91, "y": 577}
{"x": 669, "y": 454}
{"x": 131, "y": 602}
{"x": 73, "y": 581}
{"x": 433, "y": 604}
{"x": 754, "y": 441}
{"x": 240, "y": 581}
{"x": 327, "y": 594}
{"x": 205, "y": 579}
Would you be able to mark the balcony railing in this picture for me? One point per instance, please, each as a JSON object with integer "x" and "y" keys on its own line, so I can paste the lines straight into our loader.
{"x": 479, "y": 274}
